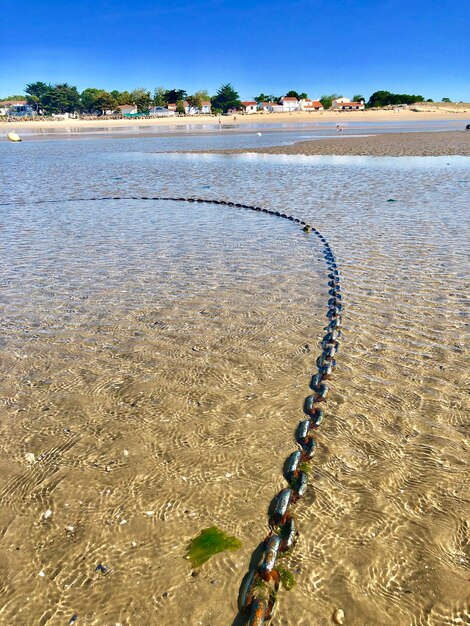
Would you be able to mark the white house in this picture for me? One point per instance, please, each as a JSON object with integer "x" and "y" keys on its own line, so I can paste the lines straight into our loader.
{"x": 126, "y": 109}
{"x": 189, "y": 109}
{"x": 305, "y": 104}
{"x": 161, "y": 112}
{"x": 345, "y": 104}
{"x": 289, "y": 104}
{"x": 204, "y": 109}
{"x": 250, "y": 106}
{"x": 16, "y": 108}
{"x": 267, "y": 106}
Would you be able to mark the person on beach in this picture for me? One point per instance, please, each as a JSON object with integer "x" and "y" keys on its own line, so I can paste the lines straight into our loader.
{"x": 339, "y": 128}
{"x": 467, "y": 127}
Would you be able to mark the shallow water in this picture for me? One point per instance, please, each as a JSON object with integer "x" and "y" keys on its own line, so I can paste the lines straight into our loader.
{"x": 156, "y": 357}
{"x": 231, "y": 134}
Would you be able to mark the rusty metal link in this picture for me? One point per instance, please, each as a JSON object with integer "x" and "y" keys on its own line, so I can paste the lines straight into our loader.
{"x": 292, "y": 464}
{"x": 258, "y": 591}
{"x": 289, "y": 535}
{"x": 267, "y": 569}
{"x": 279, "y": 515}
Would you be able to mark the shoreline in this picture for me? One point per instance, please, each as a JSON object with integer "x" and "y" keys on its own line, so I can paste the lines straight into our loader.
{"x": 334, "y": 117}
{"x": 436, "y": 143}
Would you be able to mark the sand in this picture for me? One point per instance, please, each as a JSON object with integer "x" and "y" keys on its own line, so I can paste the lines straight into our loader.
{"x": 342, "y": 117}
{"x": 156, "y": 359}
{"x": 442, "y": 143}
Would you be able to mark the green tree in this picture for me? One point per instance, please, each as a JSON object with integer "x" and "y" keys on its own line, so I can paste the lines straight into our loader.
{"x": 198, "y": 98}
{"x": 159, "y": 96}
{"x": 327, "y": 100}
{"x": 446, "y": 100}
{"x": 385, "y": 98}
{"x": 265, "y": 98}
{"x": 121, "y": 97}
{"x": 295, "y": 94}
{"x": 15, "y": 97}
{"x": 141, "y": 98}
{"x": 358, "y": 98}
{"x": 125, "y": 97}
{"x": 35, "y": 93}
{"x": 180, "y": 106}
{"x": 88, "y": 97}
{"x": 173, "y": 95}
{"x": 226, "y": 98}
{"x": 62, "y": 98}
{"x": 104, "y": 101}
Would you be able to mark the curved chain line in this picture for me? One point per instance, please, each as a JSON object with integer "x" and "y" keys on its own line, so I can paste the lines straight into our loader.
{"x": 259, "y": 587}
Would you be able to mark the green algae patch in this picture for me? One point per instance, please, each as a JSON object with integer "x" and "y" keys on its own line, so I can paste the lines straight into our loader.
{"x": 287, "y": 578}
{"x": 210, "y": 541}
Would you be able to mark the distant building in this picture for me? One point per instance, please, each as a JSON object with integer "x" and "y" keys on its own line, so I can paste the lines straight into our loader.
{"x": 250, "y": 107}
{"x": 310, "y": 105}
{"x": 171, "y": 106}
{"x": 289, "y": 104}
{"x": 161, "y": 111}
{"x": 204, "y": 109}
{"x": 345, "y": 104}
{"x": 127, "y": 109}
{"x": 16, "y": 108}
{"x": 189, "y": 109}
{"x": 267, "y": 106}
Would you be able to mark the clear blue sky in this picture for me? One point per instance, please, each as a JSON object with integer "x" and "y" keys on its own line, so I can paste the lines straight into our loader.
{"x": 347, "y": 46}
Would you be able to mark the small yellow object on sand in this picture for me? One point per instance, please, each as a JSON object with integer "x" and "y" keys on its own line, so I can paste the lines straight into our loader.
{"x": 13, "y": 137}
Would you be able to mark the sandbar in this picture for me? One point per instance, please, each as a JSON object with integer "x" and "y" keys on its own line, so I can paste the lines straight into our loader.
{"x": 439, "y": 143}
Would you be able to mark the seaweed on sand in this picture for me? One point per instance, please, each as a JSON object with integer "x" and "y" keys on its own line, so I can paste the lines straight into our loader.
{"x": 210, "y": 541}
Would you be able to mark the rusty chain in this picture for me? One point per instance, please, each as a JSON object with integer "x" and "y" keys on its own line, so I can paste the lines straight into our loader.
{"x": 258, "y": 591}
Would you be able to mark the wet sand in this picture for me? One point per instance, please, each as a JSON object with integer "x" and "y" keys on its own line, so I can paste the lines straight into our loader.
{"x": 445, "y": 143}
{"x": 156, "y": 359}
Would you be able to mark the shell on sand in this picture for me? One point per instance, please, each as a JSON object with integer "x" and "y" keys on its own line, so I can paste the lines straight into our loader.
{"x": 338, "y": 616}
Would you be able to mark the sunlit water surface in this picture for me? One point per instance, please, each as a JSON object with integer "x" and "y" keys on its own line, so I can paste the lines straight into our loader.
{"x": 155, "y": 360}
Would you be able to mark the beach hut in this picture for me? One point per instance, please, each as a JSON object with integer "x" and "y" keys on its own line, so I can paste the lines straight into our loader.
{"x": 305, "y": 104}
{"x": 249, "y": 107}
{"x": 128, "y": 109}
{"x": 345, "y": 104}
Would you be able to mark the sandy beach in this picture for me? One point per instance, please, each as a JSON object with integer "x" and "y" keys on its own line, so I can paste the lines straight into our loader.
{"x": 342, "y": 117}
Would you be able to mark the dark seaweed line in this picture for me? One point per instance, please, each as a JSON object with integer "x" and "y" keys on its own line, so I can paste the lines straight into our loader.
{"x": 258, "y": 590}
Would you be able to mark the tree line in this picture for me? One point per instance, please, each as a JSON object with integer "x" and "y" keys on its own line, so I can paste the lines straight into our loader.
{"x": 62, "y": 98}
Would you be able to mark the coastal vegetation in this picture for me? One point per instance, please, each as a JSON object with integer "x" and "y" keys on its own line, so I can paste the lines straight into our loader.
{"x": 225, "y": 99}
{"x": 63, "y": 98}
{"x": 328, "y": 100}
{"x": 385, "y": 98}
